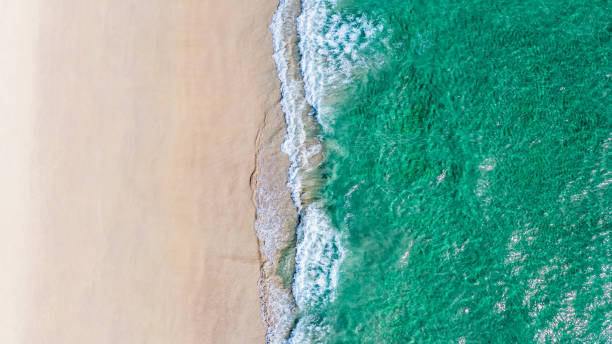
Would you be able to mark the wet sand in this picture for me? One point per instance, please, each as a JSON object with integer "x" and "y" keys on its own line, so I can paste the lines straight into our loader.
{"x": 128, "y": 143}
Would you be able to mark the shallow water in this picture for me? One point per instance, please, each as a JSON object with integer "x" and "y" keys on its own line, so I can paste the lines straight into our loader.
{"x": 464, "y": 192}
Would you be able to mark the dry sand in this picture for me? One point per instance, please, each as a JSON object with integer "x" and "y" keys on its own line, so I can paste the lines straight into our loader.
{"x": 127, "y": 133}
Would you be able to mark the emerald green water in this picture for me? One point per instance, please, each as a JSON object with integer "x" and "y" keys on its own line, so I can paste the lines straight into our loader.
{"x": 467, "y": 168}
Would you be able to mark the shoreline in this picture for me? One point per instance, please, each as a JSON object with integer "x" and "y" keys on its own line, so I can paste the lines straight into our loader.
{"x": 293, "y": 249}
{"x": 277, "y": 211}
{"x": 136, "y": 211}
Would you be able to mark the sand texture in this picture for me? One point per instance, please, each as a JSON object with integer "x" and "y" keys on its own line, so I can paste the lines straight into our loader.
{"x": 128, "y": 142}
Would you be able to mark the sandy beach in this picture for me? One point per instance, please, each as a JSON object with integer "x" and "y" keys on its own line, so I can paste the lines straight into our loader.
{"x": 127, "y": 143}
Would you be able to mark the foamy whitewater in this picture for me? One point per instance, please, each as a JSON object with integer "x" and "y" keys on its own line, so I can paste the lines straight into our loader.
{"x": 307, "y": 74}
{"x": 318, "y": 243}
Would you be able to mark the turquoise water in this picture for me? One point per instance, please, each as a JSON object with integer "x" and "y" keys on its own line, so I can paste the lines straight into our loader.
{"x": 464, "y": 188}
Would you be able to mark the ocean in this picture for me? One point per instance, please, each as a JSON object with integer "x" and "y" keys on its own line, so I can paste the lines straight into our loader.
{"x": 450, "y": 166}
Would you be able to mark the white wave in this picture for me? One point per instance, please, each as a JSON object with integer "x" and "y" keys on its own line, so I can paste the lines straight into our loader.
{"x": 329, "y": 51}
{"x": 332, "y": 49}
{"x": 318, "y": 259}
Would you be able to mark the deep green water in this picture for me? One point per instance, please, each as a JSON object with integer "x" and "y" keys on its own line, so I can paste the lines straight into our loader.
{"x": 467, "y": 167}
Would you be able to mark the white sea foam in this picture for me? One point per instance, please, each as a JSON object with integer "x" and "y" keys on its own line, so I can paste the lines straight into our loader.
{"x": 318, "y": 258}
{"x": 332, "y": 49}
{"x": 328, "y": 53}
